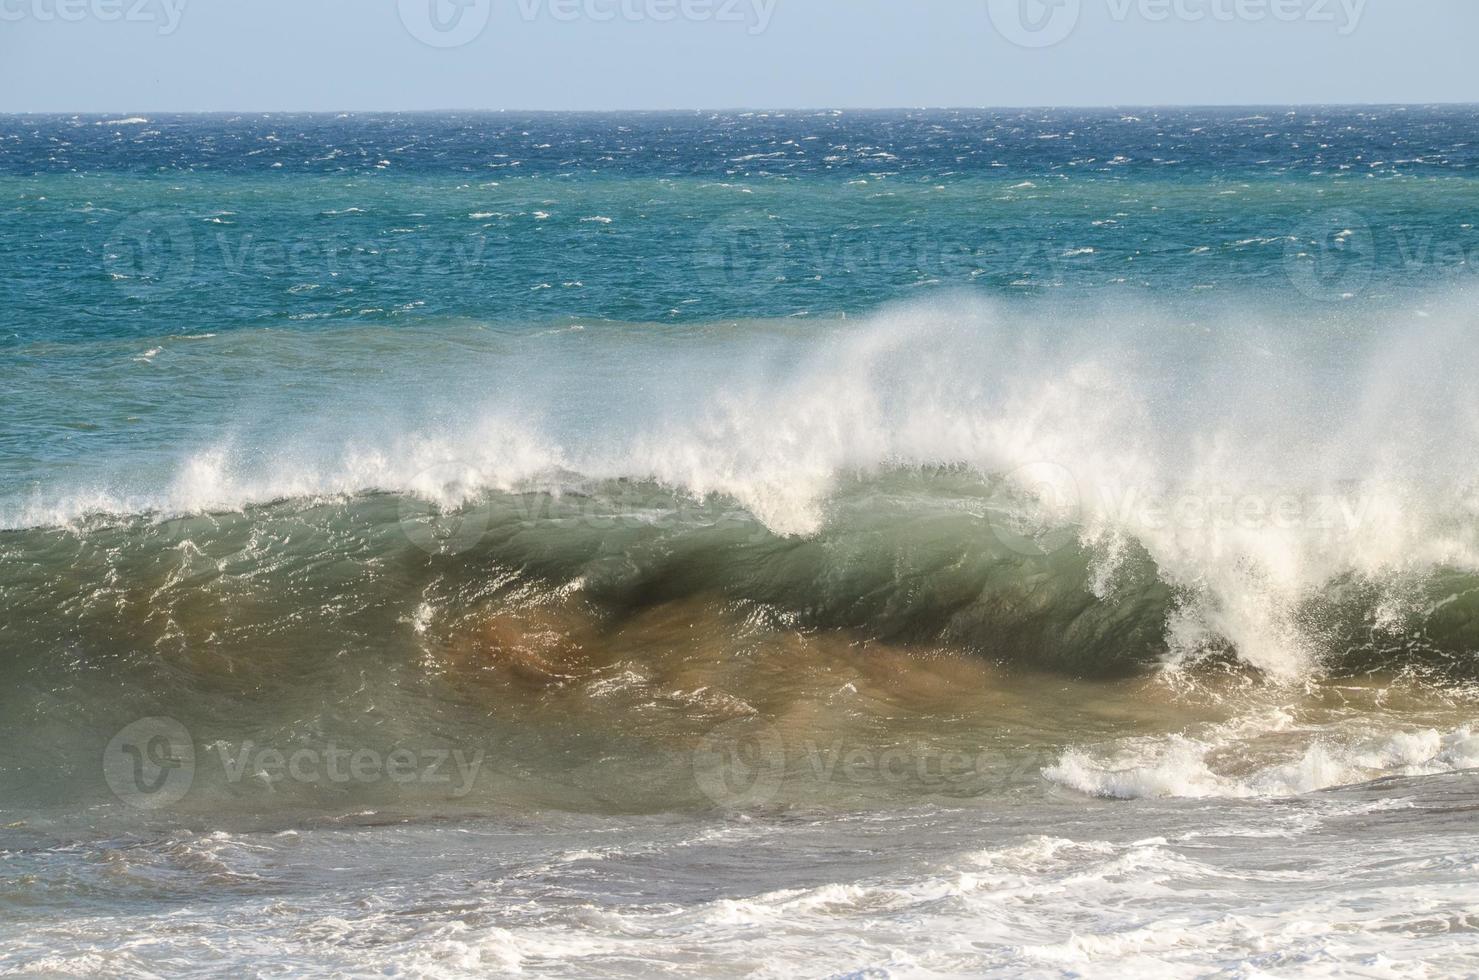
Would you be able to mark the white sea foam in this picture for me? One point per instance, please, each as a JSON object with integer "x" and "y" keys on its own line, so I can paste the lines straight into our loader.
{"x": 1181, "y": 766}
{"x": 1254, "y": 464}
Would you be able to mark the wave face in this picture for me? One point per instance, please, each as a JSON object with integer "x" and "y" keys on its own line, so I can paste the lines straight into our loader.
{"x": 1096, "y": 490}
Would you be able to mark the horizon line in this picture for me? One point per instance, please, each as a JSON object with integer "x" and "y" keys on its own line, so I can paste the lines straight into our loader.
{"x": 733, "y": 109}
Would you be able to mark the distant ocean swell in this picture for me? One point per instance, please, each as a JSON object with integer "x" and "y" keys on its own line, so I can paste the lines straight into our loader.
{"x": 1324, "y": 252}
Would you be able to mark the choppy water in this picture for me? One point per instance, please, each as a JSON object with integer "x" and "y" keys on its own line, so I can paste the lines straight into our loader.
{"x": 930, "y": 543}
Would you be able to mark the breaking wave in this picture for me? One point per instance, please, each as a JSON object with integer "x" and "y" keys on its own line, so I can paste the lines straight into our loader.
{"x": 1091, "y": 490}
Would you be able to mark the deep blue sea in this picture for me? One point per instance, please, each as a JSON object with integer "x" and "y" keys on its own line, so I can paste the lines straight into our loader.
{"x": 857, "y": 544}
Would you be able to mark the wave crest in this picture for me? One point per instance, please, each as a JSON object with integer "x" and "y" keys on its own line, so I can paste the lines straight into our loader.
{"x": 1267, "y": 473}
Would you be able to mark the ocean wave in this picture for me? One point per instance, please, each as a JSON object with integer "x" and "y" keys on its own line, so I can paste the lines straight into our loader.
{"x": 1189, "y": 488}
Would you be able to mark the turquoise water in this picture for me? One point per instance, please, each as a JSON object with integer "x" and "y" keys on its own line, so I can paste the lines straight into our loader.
{"x": 135, "y": 230}
{"x": 610, "y": 544}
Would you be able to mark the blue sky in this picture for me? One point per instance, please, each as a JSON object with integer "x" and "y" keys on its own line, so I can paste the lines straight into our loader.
{"x": 142, "y": 55}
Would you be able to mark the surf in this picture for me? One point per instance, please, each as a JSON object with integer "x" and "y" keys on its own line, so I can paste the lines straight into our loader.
{"x": 1092, "y": 488}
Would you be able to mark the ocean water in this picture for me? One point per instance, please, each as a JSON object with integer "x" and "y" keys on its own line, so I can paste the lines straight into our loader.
{"x": 934, "y": 543}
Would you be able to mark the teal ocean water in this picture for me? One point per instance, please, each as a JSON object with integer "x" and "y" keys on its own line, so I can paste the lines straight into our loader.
{"x": 924, "y": 543}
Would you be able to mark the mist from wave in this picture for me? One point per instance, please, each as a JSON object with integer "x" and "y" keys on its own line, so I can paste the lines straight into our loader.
{"x": 1273, "y": 475}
